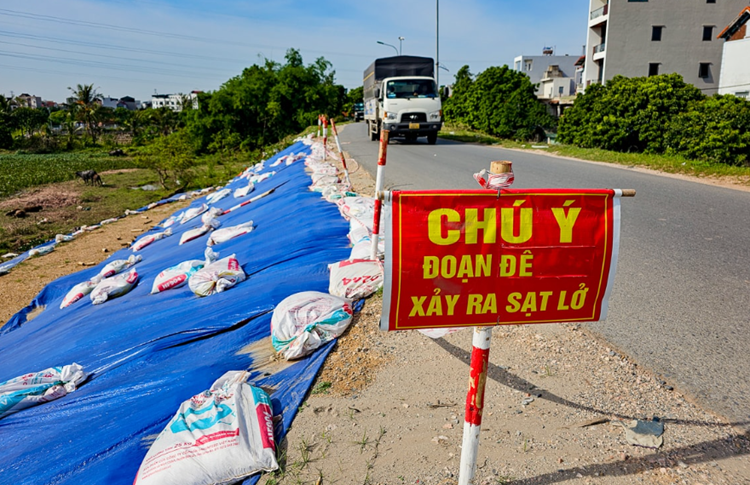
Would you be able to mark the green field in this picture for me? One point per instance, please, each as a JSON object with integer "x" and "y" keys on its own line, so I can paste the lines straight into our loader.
{"x": 21, "y": 171}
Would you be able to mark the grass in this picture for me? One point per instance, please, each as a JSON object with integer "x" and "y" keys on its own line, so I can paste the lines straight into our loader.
{"x": 321, "y": 388}
{"x": 19, "y": 171}
{"x": 665, "y": 163}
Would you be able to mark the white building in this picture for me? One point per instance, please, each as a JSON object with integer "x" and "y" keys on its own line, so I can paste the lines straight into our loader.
{"x": 174, "y": 101}
{"x": 636, "y": 38}
{"x": 735, "y": 59}
{"x": 538, "y": 70}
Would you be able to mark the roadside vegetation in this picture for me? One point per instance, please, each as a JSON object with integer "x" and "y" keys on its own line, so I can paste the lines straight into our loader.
{"x": 146, "y": 155}
{"x": 658, "y": 122}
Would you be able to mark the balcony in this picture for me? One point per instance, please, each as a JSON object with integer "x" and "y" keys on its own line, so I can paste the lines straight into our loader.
{"x": 599, "y": 12}
{"x": 599, "y": 51}
{"x": 599, "y": 16}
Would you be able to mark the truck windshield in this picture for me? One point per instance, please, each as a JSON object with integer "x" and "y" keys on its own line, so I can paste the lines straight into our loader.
{"x": 411, "y": 88}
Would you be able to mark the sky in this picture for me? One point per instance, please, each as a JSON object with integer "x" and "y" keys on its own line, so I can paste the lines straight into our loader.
{"x": 139, "y": 47}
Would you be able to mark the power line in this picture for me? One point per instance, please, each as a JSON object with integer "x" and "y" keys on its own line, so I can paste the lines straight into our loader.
{"x": 97, "y": 64}
{"x": 58, "y": 40}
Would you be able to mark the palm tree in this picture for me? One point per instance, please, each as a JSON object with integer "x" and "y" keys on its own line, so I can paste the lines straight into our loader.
{"x": 84, "y": 106}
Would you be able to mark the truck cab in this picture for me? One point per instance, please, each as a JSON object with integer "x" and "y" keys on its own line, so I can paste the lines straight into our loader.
{"x": 401, "y": 96}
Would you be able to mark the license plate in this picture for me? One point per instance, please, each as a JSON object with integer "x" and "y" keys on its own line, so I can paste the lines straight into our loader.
{"x": 413, "y": 126}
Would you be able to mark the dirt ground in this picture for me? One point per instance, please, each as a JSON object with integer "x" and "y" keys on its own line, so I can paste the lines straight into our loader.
{"x": 388, "y": 408}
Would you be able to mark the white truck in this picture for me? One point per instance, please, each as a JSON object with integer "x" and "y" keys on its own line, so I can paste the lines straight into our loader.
{"x": 401, "y": 96}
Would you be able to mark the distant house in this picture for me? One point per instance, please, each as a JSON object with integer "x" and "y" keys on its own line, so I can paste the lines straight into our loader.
{"x": 30, "y": 101}
{"x": 549, "y": 72}
{"x": 735, "y": 57}
{"x": 126, "y": 102}
{"x": 174, "y": 101}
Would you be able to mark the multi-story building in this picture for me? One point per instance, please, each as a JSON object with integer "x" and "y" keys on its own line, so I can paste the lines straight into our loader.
{"x": 637, "y": 38}
{"x": 174, "y": 101}
{"x": 539, "y": 68}
{"x": 735, "y": 59}
{"x": 30, "y": 101}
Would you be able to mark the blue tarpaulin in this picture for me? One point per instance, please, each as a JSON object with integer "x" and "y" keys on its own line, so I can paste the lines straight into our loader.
{"x": 148, "y": 353}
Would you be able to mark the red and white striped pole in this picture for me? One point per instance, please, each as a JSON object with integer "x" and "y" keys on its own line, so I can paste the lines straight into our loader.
{"x": 325, "y": 138}
{"x": 341, "y": 152}
{"x": 480, "y": 354}
{"x": 379, "y": 193}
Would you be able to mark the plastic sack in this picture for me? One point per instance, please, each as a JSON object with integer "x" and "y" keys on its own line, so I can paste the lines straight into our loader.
{"x": 113, "y": 287}
{"x": 220, "y": 436}
{"x": 217, "y": 277}
{"x": 193, "y": 212}
{"x": 64, "y": 238}
{"x": 304, "y": 321}
{"x": 218, "y": 195}
{"x": 146, "y": 240}
{"x": 209, "y": 225}
{"x": 227, "y": 233}
{"x": 42, "y": 251}
{"x": 434, "y": 333}
{"x": 355, "y": 279}
{"x": 78, "y": 292}
{"x": 119, "y": 265}
{"x": 177, "y": 276}
{"x": 39, "y": 387}
{"x": 211, "y": 214}
{"x": 243, "y": 191}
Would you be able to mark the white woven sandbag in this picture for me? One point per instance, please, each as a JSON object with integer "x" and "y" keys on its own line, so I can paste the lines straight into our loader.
{"x": 304, "y": 321}
{"x": 220, "y": 436}
{"x": 355, "y": 279}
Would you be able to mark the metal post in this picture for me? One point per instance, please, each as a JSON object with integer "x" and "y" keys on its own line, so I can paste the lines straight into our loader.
{"x": 480, "y": 354}
{"x": 325, "y": 138}
{"x": 318, "y": 126}
{"x": 341, "y": 152}
{"x": 379, "y": 194}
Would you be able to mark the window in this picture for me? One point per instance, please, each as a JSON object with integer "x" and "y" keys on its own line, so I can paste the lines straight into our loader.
{"x": 708, "y": 32}
{"x": 653, "y": 69}
{"x": 742, "y": 94}
{"x": 704, "y": 70}
{"x": 656, "y": 32}
{"x": 527, "y": 64}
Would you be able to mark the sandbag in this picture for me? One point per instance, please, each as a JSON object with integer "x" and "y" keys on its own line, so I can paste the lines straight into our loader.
{"x": 41, "y": 251}
{"x": 355, "y": 279}
{"x": 227, "y": 233}
{"x": 220, "y": 436}
{"x": 78, "y": 292}
{"x": 211, "y": 214}
{"x": 119, "y": 265}
{"x": 193, "y": 212}
{"x": 243, "y": 191}
{"x": 113, "y": 287}
{"x": 209, "y": 224}
{"x": 176, "y": 276}
{"x": 304, "y": 321}
{"x": 146, "y": 240}
{"x": 218, "y": 195}
{"x": 39, "y": 387}
{"x": 217, "y": 277}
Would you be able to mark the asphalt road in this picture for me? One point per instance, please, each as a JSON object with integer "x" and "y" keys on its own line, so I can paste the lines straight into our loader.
{"x": 681, "y": 301}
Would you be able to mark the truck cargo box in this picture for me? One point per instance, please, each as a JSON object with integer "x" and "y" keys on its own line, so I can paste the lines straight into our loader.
{"x": 395, "y": 67}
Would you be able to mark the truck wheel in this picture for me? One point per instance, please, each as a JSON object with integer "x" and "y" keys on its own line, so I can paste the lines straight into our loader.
{"x": 432, "y": 138}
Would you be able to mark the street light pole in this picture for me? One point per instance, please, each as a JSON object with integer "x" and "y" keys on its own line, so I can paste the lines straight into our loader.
{"x": 389, "y": 45}
{"x": 400, "y": 40}
{"x": 437, "y": 44}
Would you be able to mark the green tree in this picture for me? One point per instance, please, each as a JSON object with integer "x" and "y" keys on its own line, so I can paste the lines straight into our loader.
{"x": 713, "y": 129}
{"x": 171, "y": 157}
{"x": 456, "y": 108}
{"x": 29, "y": 120}
{"x": 627, "y": 114}
{"x": 84, "y": 106}
{"x": 6, "y": 124}
{"x": 264, "y": 104}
